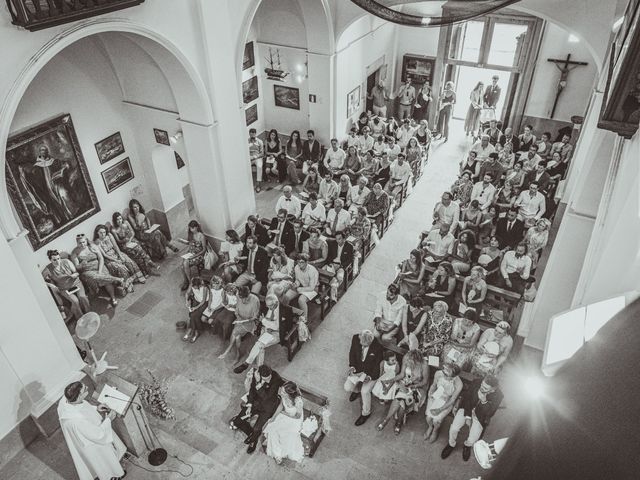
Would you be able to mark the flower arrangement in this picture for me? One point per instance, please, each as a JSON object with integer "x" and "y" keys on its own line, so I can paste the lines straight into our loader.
{"x": 154, "y": 396}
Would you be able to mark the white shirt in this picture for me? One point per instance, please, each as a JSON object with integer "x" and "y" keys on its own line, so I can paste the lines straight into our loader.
{"x": 334, "y": 158}
{"x": 231, "y": 249}
{"x": 312, "y": 215}
{"x": 449, "y": 215}
{"x": 271, "y": 319}
{"x": 483, "y": 153}
{"x": 358, "y": 197}
{"x": 390, "y": 312}
{"x": 531, "y": 206}
{"x": 530, "y": 164}
{"x": 365, "y": 144}
{"x": 344, "y": 220}
{"x": 484, "y": 194}
{"x": 510, "y": 264}
{"x": 404, "y": 135}
{"x": 291, "y": 205}
{"x": 400, "y": 174}
{"x": 393, "y": 152}
{"x": 328, "y": 190}
{"x": 437, "y": 244}
{"x": 379, "y": 148}
{"x": 352, "y": 141}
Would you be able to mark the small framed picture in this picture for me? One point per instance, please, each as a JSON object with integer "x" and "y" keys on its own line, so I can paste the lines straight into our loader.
{"x": 250, "y": 90}
{"x": 248, "y": 60}
{"x": 251, "y": 114}
{"x": 179, "y": 161}
{"x": 109, "y": 148}
{"x": 117, "y": 175}
{"x": 162, "y": 137}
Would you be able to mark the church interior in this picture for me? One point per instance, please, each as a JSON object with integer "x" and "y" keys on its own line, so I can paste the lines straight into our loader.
{"x": 178, "y": 146}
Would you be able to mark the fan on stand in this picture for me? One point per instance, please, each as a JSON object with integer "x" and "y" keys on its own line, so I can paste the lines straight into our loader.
{"x": 86, "y": 328}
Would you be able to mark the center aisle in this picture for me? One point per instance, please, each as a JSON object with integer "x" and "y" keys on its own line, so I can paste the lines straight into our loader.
{"x": 363, "y": 452}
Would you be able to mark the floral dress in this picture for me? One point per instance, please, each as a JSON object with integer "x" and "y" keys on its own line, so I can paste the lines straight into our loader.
{"x": 462, "y": 192}
{"x": 154, "y": 243}
{"x": 197, "y": 245}
{"x": 125, "y": 239}
{"x": 123, "y": 267}
{"x": 437, "y": 329}
{"x": 88, "y": 263}
{"x": 462, "y": 351}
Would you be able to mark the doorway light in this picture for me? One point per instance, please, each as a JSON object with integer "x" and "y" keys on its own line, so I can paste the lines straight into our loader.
{"x": 573, "y": 38}
{"x": 174, "y": 138}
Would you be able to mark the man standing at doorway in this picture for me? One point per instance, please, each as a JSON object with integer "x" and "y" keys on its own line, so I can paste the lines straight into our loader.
{"x": 379, "y": 95}
{"x": 407, "y": 95}
{"x": 492, "y": 93}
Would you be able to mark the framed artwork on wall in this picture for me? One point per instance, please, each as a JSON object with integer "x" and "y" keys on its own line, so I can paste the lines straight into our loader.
{"x": 48, "y": 181}
{"x": 248, "y": 59}
{"x": 179, "y": 161}
{"x": 353, "y": 101}
{"x": 162, "y": 137}
{"x": 419, "y": 67}
{"x": 250, "y": 90}
{"x": 117, "y": 175}
{"x": 251, "y": 114}
{"x": 109, "y": 148}
{"x": 620, "y": 111}
{"x": 286, "y": 97}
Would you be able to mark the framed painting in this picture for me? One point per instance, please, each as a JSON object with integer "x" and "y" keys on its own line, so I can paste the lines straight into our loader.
{"x": 250, "y": 90}
{"x": 179, "y": 161}
{"x": 620, "y": 110}
{"x": 162, "y": 137}
{"x": 353, "y": 102}
{"x": 109, "y": 148}
{"x": 419, "y": 68}
{"x": 48, "y": 181}
{"x": 248, "y": 59}
{"x": 117, "y": 175}
{"x": 286, "y": 97}
{"x": 251, "y": 114}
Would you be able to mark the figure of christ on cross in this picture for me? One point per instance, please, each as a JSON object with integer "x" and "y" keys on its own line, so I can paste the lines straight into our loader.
{"x": 565, "y": 68}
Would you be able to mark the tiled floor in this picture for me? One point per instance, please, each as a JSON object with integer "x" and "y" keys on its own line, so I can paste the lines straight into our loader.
{"x": 204, "y": 391}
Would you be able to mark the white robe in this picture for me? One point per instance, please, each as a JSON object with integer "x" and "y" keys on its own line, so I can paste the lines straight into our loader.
{"x": 95, "y": 448}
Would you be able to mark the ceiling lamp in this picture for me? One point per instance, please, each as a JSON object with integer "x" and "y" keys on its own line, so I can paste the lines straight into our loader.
{"x": 464, "y": 10}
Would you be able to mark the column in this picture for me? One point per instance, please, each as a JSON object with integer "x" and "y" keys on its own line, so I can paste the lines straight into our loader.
{"x": 321, "y": 84}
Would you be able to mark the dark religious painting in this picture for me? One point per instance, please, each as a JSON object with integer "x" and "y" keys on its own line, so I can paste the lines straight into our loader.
{"x": 116, "y": 176}
{"x": 162, "y": 137}
{"x": 109, "y": 148}
{"x": 621, "y": 104}
{"x": 250, "y": 90}
{"x": 251, "y": 114}
{"x": 248, "y": 59}
{"x": 48, "y": 181}
{"x": 179, "y": 161}
{"x": 353, "y": 101}
{"x": 287, "y": 97}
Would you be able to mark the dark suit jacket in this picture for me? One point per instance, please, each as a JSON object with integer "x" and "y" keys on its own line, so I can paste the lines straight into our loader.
{"x": 260, "y": 264}
{"x": 543, "y": 183}
{"x": 285, "y": 321}
{"x": 312, "y": 154}
{"x": 346, "y": 258}
{"x": 371, "y": 365}
{"x": 265, "y": 399}
{"x": 485, "y": 411}
{"x": 304, "y": 235}
{"x": 288, "y": 234}
{"x": 260, "y": 232}
{"x": 512, "y": 238}
{"x": 515, "y": 141}
{"x": 491, "y": 95}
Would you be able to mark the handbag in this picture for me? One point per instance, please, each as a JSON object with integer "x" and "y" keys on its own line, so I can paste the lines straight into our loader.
{"x": 210, "y": 257}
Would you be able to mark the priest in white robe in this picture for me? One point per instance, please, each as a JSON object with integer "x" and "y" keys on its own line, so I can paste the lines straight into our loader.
{"x": 95, "y": 449}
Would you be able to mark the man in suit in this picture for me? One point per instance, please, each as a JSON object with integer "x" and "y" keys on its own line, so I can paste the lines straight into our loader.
{"x": 479, "y": 403}
{"x": 262, "y": 400}
{"x": 311, "y": 149}
{"x": 281, "y": 231}
{"x": 492, "y": 93}
{"x": 255, "y": 261}
{"x": 539, "y": 176}
{"x": 299, "y": 237}
{"x": 509, "y": 230}
{"x": 275, "y": 322}
{"x": 509, "y": 137}
{"x": 340, "y": 257}
{"x": 365, "y": 356}
{"x": 255, "y": 228}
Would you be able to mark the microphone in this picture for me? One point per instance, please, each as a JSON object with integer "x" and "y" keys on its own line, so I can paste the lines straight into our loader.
{"x": 157, "y": 456}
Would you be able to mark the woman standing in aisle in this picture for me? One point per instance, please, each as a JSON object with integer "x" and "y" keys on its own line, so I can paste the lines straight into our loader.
{"x": 447, "y": 100}
{"x": 472, "y": 120}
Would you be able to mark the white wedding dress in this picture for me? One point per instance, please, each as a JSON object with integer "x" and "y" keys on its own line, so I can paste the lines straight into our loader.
{"x": 283, "y": 433}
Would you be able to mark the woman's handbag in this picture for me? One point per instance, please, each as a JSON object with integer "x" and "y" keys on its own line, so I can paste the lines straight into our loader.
{"x": 210, "y": 258}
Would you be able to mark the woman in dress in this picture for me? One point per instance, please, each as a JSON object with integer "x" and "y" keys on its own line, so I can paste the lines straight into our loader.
{"x": 125, "y": 238}
{"x": 462, "y": 249}
{"x": 282, "y": 431}
{"x": 411, "y": 274}
{"x": 197, "y": 300}
{"x": 118, "y": 263}
{"x": 462, "y": 188}
{"x": 410, "y": 387}
{"x": 216, "y": 302}
{"x": 94, "y": 274}
{"x": 526, "y": 139}
{"x": 352, "y": 163}
{"x": 294, "y": 147}
{"x": 462, "y": 343}
{"x": 311, "y": 182}
{"x": 506, "y": 157}
{"x": 197, "y": 247}
{"x": 516, "y": 175}
{"x": 447, "y": 100}
{"x": 472, "y": 120}
{"x": 360, "y": 230}
{"x": 489, "y": 257}
{"x": 442, "y": 395}
{"x": 474, "y": 290}
{"x": 423, "y": 134}
{"x": 280, "y": 271}
{"x": 437, "y": 331}
{"x": 230, "y": 249}
{"x": 154, "y": 242}
{"x": 383, "y": 173}
{"x": 316, "y": 248}
{"x": 422, "y": 103}
{"x": 487, "y": 224}
{"x": 470, "y": 217}
{"x": 389, "y": 368}
{"x": 505, "y": 198}
{"x": 536, "y": 239}
{"x": 492, "y": 351}
{"x": 413, "y": 322}
{"x": 441, "y": 285}
{"x": 391, "y": 128}
{"x": 413, "y": 154}
{"x": 226, "y": 317}
{"x": 363, "y": 121}
{"x": 368, "y": 166}
{"x": 273, "y": 148}
{"x": 344, "y": 189}
{"x": 247, "y": 310}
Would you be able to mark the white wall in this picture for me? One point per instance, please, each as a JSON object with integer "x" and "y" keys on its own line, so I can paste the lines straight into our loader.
{"x": 574, "y": 98}
{"x": 281, "y": 22}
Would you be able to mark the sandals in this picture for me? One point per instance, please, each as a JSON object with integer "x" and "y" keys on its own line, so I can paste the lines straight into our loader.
{"x": 398, "y": 426}
{"x": 195, "y": 336}
{"x": 113, "y": 302}
{"x": 187, "y": 335}
{"x": 382, "y": 424}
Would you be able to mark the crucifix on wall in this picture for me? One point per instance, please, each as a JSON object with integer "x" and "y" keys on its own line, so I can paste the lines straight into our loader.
{"x": 565, "y": 66}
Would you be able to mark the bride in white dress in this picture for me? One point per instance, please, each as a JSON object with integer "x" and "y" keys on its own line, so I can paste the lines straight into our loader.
{"x": 283, "y": 430}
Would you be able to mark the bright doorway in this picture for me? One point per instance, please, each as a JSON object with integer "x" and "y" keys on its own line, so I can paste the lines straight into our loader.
{"x": 466, "y": 78}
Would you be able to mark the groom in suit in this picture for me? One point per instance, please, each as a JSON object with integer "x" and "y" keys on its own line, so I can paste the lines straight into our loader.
{"x": 492, "y": 93}
{"x": 262, "y": 400}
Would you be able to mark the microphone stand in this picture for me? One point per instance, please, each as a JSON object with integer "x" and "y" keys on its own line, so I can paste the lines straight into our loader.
{"x": 157, "y": 455}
